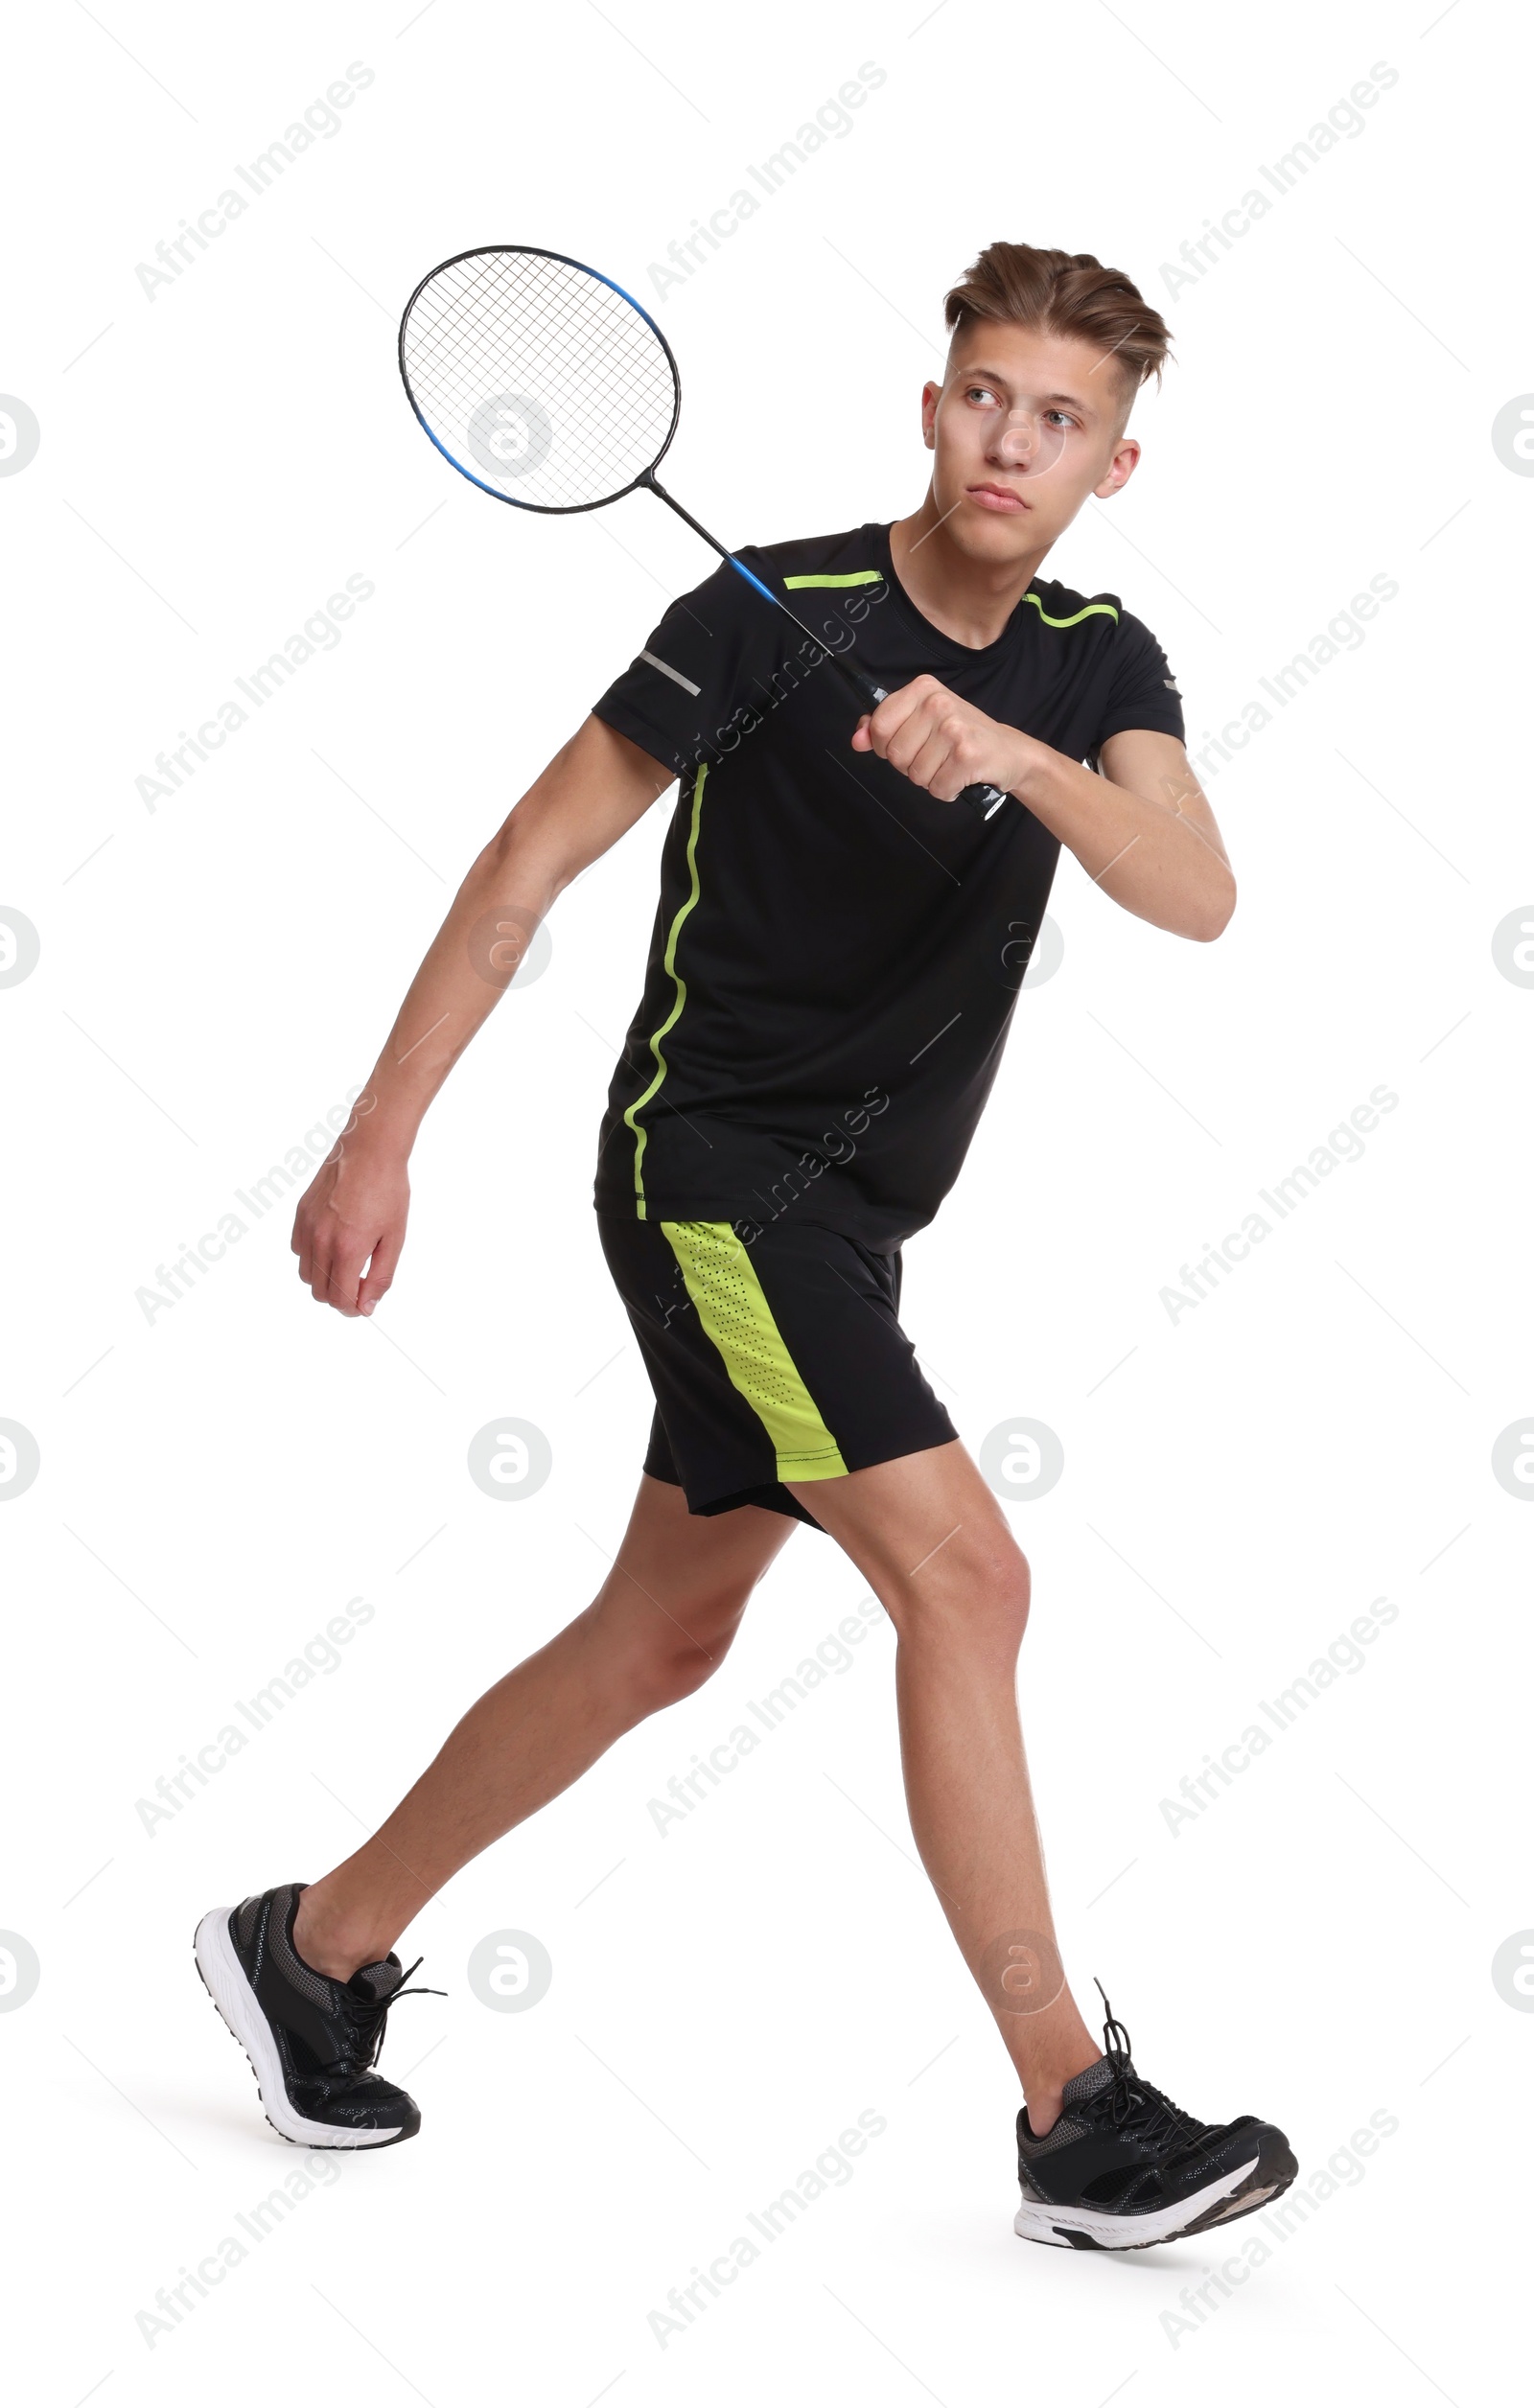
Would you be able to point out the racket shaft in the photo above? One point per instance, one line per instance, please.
(983, 798)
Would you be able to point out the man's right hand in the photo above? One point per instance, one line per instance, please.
(352, 1220)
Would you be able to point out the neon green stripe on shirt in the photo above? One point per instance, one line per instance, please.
(680, 984)
(854, 577)
(1105, 609)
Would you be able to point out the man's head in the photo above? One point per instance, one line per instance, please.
(1048, 350)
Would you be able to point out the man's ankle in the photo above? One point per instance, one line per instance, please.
(1045, 2097)
(329, 1943)
(1043, 2108)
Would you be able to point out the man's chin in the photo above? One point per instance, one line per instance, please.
(996, 537)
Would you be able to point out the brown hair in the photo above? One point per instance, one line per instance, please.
(1064, 292)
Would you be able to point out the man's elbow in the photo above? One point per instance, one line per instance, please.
(1212, 915)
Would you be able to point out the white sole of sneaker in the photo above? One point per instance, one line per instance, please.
(1088, 2228)
(223, 1977)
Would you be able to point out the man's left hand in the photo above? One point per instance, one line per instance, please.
(942, 742)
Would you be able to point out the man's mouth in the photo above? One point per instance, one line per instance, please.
(997, 498)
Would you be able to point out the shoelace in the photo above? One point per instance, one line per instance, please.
(1136, 2108)
(368, 2019)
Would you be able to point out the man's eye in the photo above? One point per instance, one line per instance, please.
(980, 393)
(1060, 416)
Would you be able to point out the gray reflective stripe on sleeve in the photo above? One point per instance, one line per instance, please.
(666, 670)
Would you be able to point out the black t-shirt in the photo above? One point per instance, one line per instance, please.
(837, 954)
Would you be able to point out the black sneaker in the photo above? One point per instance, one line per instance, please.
(311, 2041)
(1122, 2168)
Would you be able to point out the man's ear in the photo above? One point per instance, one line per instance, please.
(1121, 468)
(931, 395)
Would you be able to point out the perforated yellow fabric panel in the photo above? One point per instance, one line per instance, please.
(721, 1280)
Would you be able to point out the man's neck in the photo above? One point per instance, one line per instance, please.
(970, 601)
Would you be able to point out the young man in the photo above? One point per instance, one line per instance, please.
(835, 962)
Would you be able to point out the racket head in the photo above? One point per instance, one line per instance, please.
(543, 382)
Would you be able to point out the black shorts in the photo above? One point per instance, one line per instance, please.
(780, 1360)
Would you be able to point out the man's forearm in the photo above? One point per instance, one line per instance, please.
(1146, 855)
(467, 967)
(1151, 844)
(594, 789)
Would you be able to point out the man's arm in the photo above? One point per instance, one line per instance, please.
(1142, 829)
(353, 1213)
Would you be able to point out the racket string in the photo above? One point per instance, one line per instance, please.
(520, 329)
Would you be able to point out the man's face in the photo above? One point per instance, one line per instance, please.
(1023, 428)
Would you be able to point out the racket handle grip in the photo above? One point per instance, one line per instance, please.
(984, 799)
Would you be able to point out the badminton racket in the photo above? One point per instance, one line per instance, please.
(547, 385)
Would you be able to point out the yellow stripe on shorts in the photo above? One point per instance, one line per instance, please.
(721, 1280)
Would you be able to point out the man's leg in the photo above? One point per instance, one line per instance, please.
(660, 1623)
(931, 1541)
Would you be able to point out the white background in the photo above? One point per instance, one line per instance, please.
(1239, 1483)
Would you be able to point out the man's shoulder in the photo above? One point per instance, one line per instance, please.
(1061, 605)
(854, 557)
(1098, 620)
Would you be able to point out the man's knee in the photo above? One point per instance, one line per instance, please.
(687, 1641)
(974, 1594)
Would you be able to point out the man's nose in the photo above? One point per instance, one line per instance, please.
(1026, 445)
(1017, 441)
